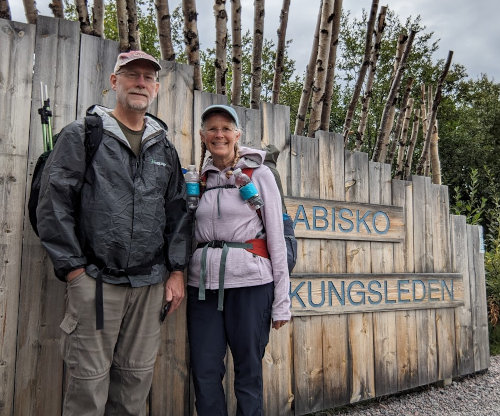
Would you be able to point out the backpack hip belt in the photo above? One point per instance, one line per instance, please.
(257, 246)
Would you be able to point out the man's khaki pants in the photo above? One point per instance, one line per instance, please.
(110, 371)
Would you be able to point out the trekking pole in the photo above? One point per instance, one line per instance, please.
(45, 115)
(46, 104)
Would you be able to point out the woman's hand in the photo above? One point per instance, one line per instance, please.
(278, 324)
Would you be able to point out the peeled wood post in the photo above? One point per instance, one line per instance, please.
(399, 122)
(236, 52)
(402, 138)
(83, 17)
(318, 87)
(121, 15)
(280, 52)
(308, 81)
(362, 71)
(192, 41)
(390, 105)
(220, 46)
(164, 26)
(332, 60)
(365, 101)
(411, 147)
(57, 8)
(133, 26)
(258, 39)
(5, 10)
(98, 18)
(30, 11)
(435, 105)
(434, 151)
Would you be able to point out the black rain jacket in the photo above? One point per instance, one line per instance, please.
(121, 212)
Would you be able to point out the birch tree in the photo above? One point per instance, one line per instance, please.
(434, 154)
(122, 17)
(258, 39)
(5, 10)
(387, 121)
(365, 101)
(362, 71)
(280, 52)
(57, 8)
(30, 11)
(220, 46)
(236, 52)
(432, 120)
(164, 26)
(191, 40)
(308, 81)
(332, 60)
(318, 89)
(98, 18)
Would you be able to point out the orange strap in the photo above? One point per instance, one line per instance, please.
(259, 247)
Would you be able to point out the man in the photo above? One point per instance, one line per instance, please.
(113, 229)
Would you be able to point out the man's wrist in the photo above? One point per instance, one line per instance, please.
(73, 273)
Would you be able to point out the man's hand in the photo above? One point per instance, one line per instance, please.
(73, 273)
(174, 289)
(278, 324)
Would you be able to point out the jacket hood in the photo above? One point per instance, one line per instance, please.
(153, 124)
(249, 158)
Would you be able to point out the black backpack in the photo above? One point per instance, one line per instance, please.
(93, 137)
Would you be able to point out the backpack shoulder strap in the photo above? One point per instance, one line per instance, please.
(93, 136)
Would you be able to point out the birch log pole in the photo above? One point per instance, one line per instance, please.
(57, 8)
(435, 105)
(332, 61)
(98, 18)
(5, 10)
(258, 39)
(83, 16)
(308, 81)
(411, 147)
(387, 121)
(134, 39)
(220, 46)
(280, 52)
(365, 101)
(122, 17)
(164, 25)
(400, 120)
(318, 88)
(236, 52)
(362, 71)
(402, 138)
(434, 153)
(192, 41)
(30, 11)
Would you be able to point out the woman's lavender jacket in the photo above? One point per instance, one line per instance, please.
(223, 215)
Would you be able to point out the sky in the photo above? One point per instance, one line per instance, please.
(471, 29)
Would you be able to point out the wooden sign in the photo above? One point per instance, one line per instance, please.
(315, 218)
(320, 294)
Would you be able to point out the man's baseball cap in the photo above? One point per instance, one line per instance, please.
(127, 57)
(219, 108)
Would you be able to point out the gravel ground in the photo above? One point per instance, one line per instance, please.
(471, 395)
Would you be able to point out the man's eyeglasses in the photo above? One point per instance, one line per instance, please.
(148, 78)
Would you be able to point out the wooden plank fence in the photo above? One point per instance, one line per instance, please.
(378, 339)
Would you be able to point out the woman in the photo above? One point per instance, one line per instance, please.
(235, 290)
